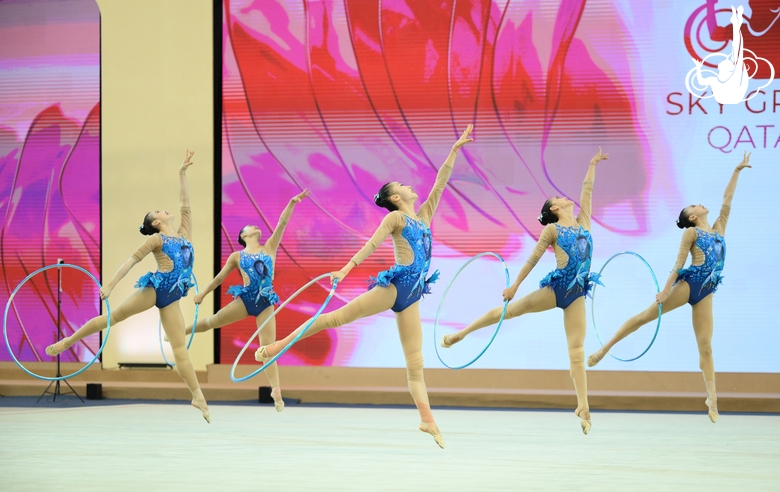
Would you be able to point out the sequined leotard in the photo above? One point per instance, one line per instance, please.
(573, 248)
(175, 259)
(412, 245)
(258, 294)
(708, 255)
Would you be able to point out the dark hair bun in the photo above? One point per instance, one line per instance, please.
(382, 199)
(547, 216)
(147, 229)
(683, 222)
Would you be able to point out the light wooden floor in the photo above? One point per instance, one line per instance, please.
(150, 447)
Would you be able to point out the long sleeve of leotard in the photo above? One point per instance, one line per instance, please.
(687, 242)
(432, 202)
(230, 265)
(546, 239)
(151, 244)
(586, 205)
(276, 238)
(391, 223)
(185, 226)
(728, 196)
(722, 220)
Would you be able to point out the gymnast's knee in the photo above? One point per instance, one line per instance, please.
(577, 356)
(329, 320)
(180, 353)
(495, 313)
(705, 350)
(414, 367)
(208, 324)
(117, 315)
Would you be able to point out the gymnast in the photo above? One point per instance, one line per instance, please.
(256, 297)
(565, 287)
(693, 285)
(172, 249)
(399, 288)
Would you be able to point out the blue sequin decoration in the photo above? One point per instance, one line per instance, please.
(413, 276)
(575, 278)
(180, 251)
(708, 274)
(260, 269)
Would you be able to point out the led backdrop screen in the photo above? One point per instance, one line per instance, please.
(342, 96)
(49, 169)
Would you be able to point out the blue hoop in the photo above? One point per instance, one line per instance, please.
(593, 305)
(500, 321)
(192, 335)
(285, 349)
(8, 306)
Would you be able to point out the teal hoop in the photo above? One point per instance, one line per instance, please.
(8, 306)
(500, 321)
(192, 335)
(593, 305)
(273, 315)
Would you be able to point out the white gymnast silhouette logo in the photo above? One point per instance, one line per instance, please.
(730, 84)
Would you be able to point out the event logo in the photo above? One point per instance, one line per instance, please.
(730, 84)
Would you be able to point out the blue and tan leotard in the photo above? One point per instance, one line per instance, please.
(575, 279)
(573, 247)
(412, 244)
(411, 281)
(257, 293)
(708, 255)
(175, 259)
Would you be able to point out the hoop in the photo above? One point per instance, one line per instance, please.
(500, 321)
(8, 306)
(593, 305)
(192, 335)
(285, 349)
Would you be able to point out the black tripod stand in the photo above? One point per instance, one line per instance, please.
(57, 389)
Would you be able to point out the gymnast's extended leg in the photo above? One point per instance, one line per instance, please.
(173, 324)
(139, 301)
(535, 302)
(375, 301)
(677, 298)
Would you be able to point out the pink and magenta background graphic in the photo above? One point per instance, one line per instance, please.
(343, 96)
(49, 169)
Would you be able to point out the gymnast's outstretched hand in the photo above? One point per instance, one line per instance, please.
(509, 293)
(464, 138)
(105, 292)
(745, 162)
(187, 160)
(297, 198)
(661, 297)
(337, 276)
(599, 157)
